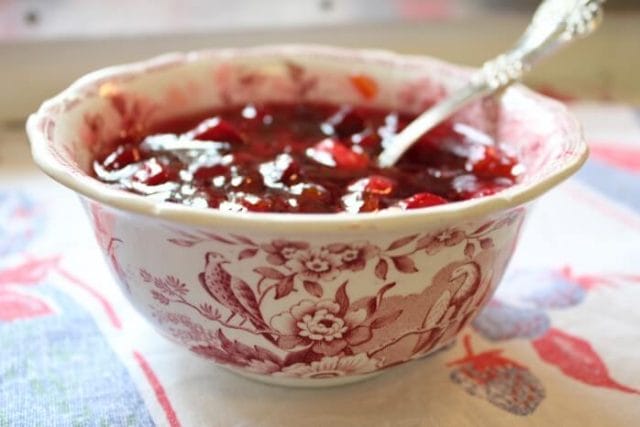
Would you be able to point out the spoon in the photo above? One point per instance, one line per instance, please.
(554, 24)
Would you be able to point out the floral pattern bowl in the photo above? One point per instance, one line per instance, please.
(301, 299)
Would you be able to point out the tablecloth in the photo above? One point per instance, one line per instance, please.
(564, 324)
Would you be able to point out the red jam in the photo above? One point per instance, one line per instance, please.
(307, 158)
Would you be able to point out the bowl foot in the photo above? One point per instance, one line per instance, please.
(304, 382)
(445, 346)
(325, 382)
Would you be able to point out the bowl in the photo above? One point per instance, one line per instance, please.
(301, 299)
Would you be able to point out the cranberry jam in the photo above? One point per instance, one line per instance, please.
(304, 158)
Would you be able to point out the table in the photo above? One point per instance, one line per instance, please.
(561, 337)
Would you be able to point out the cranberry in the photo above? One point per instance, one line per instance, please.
(493, 163)
(442, 131)
(314, 199)
(257, 204)
(291, 174)
(123, 156)
(373, 185)
(436, 139)
(283, 170)
(281, 204)
(423, 200)
(333, 153)
(370, 203)
(153, 173)
(471, 187)
(367, 140)
(214, 197)
(378, 184)
(206, 173)
(216, 129)
(346, 122)
(243, 158)
(249, 181)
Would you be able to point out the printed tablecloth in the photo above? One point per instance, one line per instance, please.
(558, 345)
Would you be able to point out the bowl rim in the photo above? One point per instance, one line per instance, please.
(88, 187)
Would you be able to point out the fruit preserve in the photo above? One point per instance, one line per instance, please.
(303, 158)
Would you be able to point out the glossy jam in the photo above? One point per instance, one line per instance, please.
(304, 158)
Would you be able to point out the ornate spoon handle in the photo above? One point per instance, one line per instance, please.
(554, 24)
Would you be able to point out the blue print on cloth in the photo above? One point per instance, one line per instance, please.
(58, 370)
(541, 289)
(500, 321)
(619, 185)
(19, 222)
(518, 310)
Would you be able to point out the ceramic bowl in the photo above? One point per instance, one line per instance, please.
(301, 299)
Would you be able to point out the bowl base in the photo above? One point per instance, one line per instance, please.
(325, 382)
(304, 382)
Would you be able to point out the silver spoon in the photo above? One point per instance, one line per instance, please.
(554, 24)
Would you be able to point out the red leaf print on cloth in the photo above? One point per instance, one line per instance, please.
(30, 272)
(622, 157)
(577, 359)
(587, 282)
(17, 306)
(501, 381)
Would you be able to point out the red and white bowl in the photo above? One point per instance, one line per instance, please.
(301, 299)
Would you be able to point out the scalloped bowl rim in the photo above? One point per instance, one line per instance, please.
(119, 199)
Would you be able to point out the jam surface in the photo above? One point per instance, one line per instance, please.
(303, 158)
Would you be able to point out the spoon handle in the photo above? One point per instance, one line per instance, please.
(554, 24)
